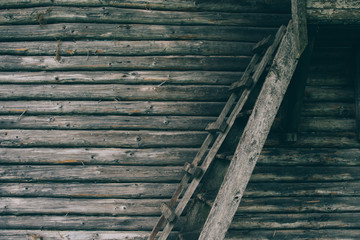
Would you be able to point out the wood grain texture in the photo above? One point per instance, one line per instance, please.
(111, 63)
(108, 138)
(127, 48)
(57, 14)
(89, 31)
(112, 107)
(114, 92)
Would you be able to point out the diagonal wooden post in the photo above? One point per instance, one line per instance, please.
(253, 139)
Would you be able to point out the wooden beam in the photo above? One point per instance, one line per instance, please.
(252, 140)
(357, 93)
(298, 11)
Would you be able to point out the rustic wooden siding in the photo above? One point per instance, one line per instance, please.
(102, 103)
(310, 189)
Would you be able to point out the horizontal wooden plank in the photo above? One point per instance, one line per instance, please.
(112, 107)
(127, 48)
(230, 6)
(114, 92)
(287, 156)
(100, 138)
(44, 15)
(296, 221)
(91, 173)
(125, 77)
(101, 156)
(323, 109)
(109, 122)
(165, 190)
(329, 94)
(330, 234)
(34, 173)
(111, 63)
(70, 31)
(324, 79)
(77, 235)
(68, 206)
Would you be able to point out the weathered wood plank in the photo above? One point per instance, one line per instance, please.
(91, 173)
(165, 190)
(252, 139)
(76, 235)
(127, 48)
(331, 234)
(99, 138)
(329, 94)
(334, 80)
(323, 109)
(298, 16)
(279, 6)
(33, 173)
(357, 93)
(132, 77)
(114, 92)
(108, 122)
(113, 107)
(71, 31)
(291, 221)
(111, 63)
(115, 15)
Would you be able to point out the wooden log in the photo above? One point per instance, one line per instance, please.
(127, 48)
(99, 138)
(87, 207)
(229, 6)
(291, 221)
(252, 140)
(76, 235)
(113, 92)
(93, 63)
(89, 190)
(132, 77)
(91, 173)
(328, 94)
(107, 122)
(45, 15)
(292, 234)
(113, 107)
(298, 13)
(331, 80)
(71, 31)
(323, 109)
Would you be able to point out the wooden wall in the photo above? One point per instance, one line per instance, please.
(102, 102)
(310, 189)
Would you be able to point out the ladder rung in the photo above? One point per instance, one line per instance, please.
(243, 83)
(196, 172)
(262, 45)
(216, 127)
(168, 213)
(224, 156)
(244, 114)
(204, 199)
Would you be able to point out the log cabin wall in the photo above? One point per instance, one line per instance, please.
(102, 103)
(310, 189)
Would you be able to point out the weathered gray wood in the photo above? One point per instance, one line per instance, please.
(326, 79)
(90, 190)
(92, 63)
(105, 138)
(127, 48)
(106, 122)
(89, 31)
(115, 15)
(323, 109)
(230, 6)
(333, 12)
(298, 12)
(89, 207)
(292, 234)
(252, 140)
(132, 77)
(357, 94)
(75, 235)
(113, 107)
(288, 221)
(91, 173)
(329, 94)
(113, 92)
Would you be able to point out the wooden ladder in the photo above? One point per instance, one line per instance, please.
(218, 130)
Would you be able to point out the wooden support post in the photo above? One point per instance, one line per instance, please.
(298, 12)
(357, 93)
(252, 140)
(295, 96)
